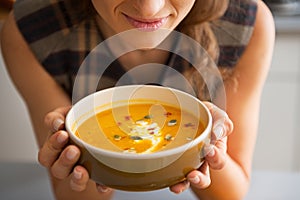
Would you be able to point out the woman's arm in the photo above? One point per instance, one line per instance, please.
(232, 181)
(42, 95)
(39, 91)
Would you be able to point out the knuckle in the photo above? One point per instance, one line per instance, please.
(43, 159)
(76, 186)
(218, 163)
(218, 166)
(222, 163)
(59, 174)
(52, 147)
(60, 169)
(48, 119)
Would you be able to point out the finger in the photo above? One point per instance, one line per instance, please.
(63, 166)
(216, 156)
(200, 178)
(102, 188)
(79, 179)
(52, 148)
(55, 120)
(222, 126)
(180, 187)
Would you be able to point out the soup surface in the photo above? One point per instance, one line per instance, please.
(140, 128)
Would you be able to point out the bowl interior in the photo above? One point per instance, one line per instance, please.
(123, 95)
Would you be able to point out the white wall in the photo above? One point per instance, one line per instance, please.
(278, 142)
(17, 141)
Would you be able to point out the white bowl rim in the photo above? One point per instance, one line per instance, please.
(141, 156)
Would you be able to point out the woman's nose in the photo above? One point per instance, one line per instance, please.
(149, 8)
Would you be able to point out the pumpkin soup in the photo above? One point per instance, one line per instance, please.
(143, 127)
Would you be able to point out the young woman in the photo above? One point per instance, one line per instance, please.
(45, 42)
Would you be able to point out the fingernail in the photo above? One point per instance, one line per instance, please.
(57, 124)
(218, 131)
(77, 174)
(209, 150)
(195, 180)
(179, 191)
(71, 154)
(102, 189)
(211, 153)
(62, 137)
(186, 185)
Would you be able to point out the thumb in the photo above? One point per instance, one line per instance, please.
(222, 125)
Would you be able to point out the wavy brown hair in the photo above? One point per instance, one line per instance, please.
(197, 25)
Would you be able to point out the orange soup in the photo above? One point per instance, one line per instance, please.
(140, 128)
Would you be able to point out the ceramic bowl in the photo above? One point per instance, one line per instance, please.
(131, 171)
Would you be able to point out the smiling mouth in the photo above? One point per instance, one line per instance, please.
(147, 24)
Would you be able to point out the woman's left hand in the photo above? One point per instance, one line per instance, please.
(215, 153)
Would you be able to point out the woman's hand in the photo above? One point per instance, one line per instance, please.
(215, 153)
(59, 157)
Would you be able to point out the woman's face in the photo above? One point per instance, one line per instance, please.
(146, 15)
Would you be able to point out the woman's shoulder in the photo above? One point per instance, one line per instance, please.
(263, 37)
(257, 58)
(265, 20)
(51, 26)
(242, 12)
(59, 33)
(36, 17)
(60, 13)
(234, 30)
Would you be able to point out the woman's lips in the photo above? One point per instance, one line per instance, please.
(147, 24)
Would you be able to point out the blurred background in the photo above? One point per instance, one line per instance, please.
(276, 160)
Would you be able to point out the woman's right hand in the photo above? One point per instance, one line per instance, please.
(60, 157)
